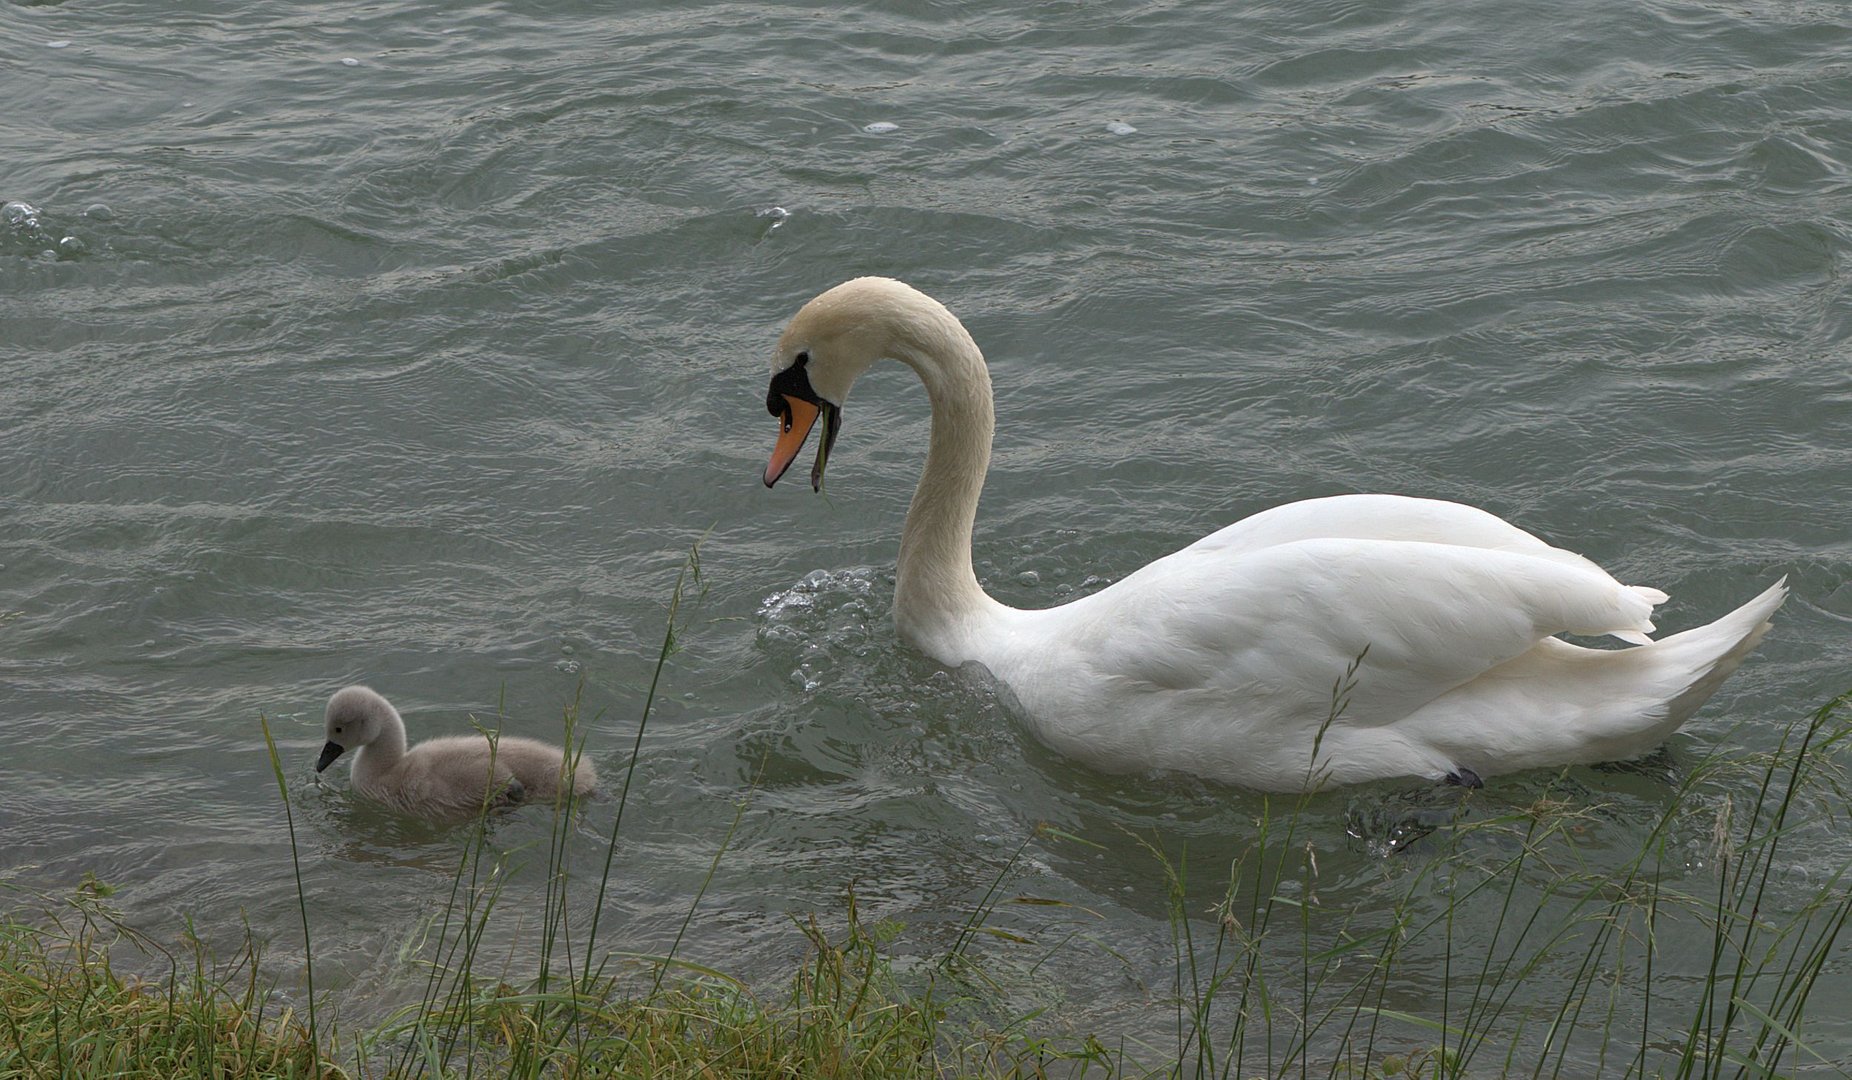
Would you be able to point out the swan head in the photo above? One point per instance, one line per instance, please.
(826, 347)
(356, 717)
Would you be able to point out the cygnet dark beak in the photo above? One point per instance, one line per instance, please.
(329, 753)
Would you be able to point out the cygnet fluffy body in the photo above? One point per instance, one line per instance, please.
(446, 779)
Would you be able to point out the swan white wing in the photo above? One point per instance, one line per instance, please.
(1385, 517)
(1272, 631)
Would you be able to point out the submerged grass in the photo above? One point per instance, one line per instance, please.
(1551, 960)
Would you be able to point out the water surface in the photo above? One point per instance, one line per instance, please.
(417, 346)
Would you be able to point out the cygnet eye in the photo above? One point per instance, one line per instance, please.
(337, 731)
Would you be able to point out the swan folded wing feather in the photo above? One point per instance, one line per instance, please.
(451, 775)
(1385, 517)
(542, 766)
(1283, 623)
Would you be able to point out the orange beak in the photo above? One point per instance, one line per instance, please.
(794, 427)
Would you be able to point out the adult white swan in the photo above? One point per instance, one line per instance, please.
(1220, 659)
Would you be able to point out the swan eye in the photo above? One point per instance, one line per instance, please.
(791, 383)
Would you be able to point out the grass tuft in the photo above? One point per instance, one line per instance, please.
(66, 1012)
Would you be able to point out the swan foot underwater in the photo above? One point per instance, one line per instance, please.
(447, 779)
(1218, 660)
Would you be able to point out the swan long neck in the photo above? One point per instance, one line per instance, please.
(937, 598)
(380, 756)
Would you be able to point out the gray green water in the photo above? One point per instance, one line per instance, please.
(417, 344)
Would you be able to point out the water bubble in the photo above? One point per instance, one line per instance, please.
(348, 61)
(880, 127)
(20, 215)
(96, 211)
(778, 214)
(567, 649)
(1029, 578)
(789, 602)
(57, 44)
(71, 245)
(1120, 127)
(570, 667)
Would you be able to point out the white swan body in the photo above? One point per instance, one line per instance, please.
(1228, 659)
(447, 779)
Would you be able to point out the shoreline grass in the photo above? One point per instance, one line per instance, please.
(66, 1011)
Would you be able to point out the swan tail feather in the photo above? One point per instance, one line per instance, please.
(1608, 704)
(1651, 595)
(1692, 664)
(1639, 602)
(1719, 647)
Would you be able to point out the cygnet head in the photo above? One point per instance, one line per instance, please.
(831, 341)
(356, 717)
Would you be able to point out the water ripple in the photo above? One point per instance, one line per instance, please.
(425, 369)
